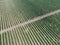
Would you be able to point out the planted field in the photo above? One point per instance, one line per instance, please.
(17, 11)
(45, 31)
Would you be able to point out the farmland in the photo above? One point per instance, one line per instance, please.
(20, 10)
(43, 32)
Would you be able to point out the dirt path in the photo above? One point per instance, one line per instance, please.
(30, 21)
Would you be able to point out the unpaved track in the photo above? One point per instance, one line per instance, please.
(30, 21)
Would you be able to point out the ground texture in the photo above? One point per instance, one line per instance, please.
(43, 32)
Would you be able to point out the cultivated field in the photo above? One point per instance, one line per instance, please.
(45, 31)
(42, 32)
